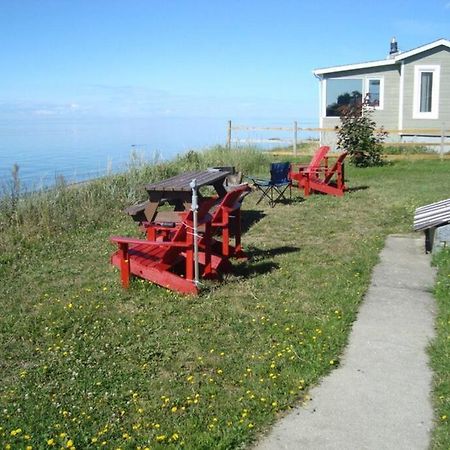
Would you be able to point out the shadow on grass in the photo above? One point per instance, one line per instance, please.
(257, 253)
(249, 218)
(357, 188)
(254, 268)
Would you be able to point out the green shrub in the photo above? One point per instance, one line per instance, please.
(359, 136)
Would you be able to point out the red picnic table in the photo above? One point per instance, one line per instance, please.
(178, 192)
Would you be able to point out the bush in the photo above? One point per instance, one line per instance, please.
(359, 136)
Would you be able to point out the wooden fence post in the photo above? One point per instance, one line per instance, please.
(229, 135)
(295, 138)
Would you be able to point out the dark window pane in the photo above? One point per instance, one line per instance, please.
(426, 90)
(341, 93)
(374, 93)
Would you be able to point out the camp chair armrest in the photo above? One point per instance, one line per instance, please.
(256, 179)
(125, 240)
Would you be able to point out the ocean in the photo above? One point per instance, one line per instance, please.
(48, 148)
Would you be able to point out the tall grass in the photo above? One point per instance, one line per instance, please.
(29, 216)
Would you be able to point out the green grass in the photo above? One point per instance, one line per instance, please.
(84, 361)
(440, 353)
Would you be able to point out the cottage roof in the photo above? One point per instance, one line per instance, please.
(384, 62)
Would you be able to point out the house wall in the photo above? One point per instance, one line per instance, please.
(438, 56)
(386, 117)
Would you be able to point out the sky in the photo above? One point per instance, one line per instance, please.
(240, 60)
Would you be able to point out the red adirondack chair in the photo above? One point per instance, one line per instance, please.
(225, 218)
(318, 176)
(167, 263)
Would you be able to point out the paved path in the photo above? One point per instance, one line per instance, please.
(379, 397)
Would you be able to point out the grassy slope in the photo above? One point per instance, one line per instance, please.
(83, 360)
(440, 353)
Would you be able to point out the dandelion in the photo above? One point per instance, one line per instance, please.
(175, 436)
(69, 443)
(50, 441)
(174, 409)
(161, 437)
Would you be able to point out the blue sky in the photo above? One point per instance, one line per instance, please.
(243, 60)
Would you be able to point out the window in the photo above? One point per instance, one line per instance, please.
(374, 93)
(342, 92)
(426, 92)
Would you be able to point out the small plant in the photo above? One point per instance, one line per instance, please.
(359, 136)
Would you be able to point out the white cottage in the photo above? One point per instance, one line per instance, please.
(410, 91)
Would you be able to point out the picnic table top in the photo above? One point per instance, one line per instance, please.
(181, 183)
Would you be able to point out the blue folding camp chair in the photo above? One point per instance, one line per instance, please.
(275, 188)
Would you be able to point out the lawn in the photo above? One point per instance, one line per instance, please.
(86, 364)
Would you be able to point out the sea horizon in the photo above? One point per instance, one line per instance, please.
(78, 149)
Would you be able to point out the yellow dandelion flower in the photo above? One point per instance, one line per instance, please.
(69, 443)
(175, 436)
(161, 437)
(50, 441)
(174, 409)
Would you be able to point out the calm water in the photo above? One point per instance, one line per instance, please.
(47, 148)
(82, 149)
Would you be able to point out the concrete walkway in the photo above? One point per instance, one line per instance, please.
(379, 397)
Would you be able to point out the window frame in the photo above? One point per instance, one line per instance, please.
(435, 69)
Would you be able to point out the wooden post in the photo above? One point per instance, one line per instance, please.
(295, 138)
(229, 135)
(442, 140)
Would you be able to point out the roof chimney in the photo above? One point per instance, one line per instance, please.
(394, 48)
